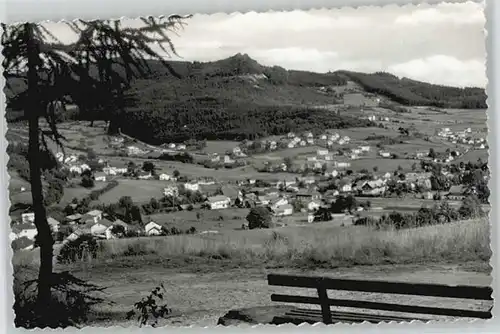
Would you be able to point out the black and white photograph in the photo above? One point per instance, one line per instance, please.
(283, 167)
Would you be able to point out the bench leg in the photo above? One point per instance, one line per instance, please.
(325, 305)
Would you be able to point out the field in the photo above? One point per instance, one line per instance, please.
(139, 190)
(220, 146)
(360, 134)
(473, 156)
(79, 192)
(383, 165)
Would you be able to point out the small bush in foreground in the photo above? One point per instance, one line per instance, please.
(147, 309)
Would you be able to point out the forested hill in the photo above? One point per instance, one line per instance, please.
(237, 98)
(412, 92)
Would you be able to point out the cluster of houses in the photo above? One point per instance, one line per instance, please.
(173, 146)
(93, 222)
(292, 140)
(375, 118)
(463, 137)
(280, 197)
(71, 163)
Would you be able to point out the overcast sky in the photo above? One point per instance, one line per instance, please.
(443, 44)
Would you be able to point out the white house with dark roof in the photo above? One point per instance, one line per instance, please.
(54, 224)
(28, 217)
(284, 210)
(218, 202)
(152, 228)
(192, 185)
(27, 230)
(100, 228)
(100, 177)
(164, 177)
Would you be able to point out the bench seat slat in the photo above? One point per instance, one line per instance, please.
(347, 315)
(384, 306)
(431, 290)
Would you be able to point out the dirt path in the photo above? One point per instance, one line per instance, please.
(200, 299)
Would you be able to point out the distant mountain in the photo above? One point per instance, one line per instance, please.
(237, 98)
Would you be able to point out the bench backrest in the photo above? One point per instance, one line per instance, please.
(322, 284)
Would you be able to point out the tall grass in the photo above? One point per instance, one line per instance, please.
(460, 241)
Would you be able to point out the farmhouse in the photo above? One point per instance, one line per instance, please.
(164, 177)
(152, 228)
(206, 181)
(78, 233)
(54, 224)
(307, 196)
(264, 200)
(75, 169)
(345, 186)
(218, 202)
(99, 229)
(274, 204)
(342, 164)
(228, 160)
(308, 179)
(313, 205)
(93, 216)
(322, 152)
(384, 154)
(144, 176)
(284, 210)
(100, 177)
(109, 170)
(331, 172)
(71, 219)
(456, 193)
(26, 230)
(192, 186)
(28, 217)
(373, 188)
(365, 148)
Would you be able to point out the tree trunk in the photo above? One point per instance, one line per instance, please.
(44, 235)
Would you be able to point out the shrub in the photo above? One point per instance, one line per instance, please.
(74, 250)
(148, 310)
(259, 217)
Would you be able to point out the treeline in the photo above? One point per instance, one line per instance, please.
(215, 119)
(438, 214)
(412, 92)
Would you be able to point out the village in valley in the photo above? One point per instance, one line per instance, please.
(125, 188)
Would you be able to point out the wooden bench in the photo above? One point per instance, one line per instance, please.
(396, 311)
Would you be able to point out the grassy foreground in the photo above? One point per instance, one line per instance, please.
(317, 245)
